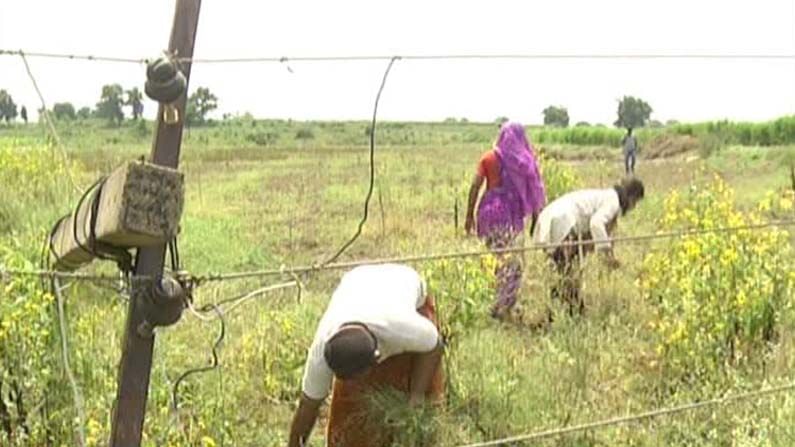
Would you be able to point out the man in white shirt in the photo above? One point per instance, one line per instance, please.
(588, 215)
(377, 330)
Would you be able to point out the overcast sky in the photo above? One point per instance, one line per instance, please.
(685, 90)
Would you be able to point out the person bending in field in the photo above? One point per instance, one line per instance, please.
(379, 331)
(514, 191)
(588, 216)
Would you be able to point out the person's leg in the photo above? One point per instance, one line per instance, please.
(509, 279)
(633, 160)
(569, 289)
(574, 285)
(626, 163)
(508, 275)
(561, 257)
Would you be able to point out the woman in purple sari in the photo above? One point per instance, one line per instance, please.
(514, 191)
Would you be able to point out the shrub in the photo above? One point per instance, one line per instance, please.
(304, 134)
(262, 138)
(26, 368)
(718, 296)
(463, 290)
(558, 177)
(64, 111)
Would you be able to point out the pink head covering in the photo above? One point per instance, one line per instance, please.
(520, 170)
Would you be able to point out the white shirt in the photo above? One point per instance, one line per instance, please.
(383, 297)
(580, 212)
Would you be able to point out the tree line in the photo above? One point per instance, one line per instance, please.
(632, 113)
(113, 101)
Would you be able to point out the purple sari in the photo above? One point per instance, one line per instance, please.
(521, 192)
(502, 210)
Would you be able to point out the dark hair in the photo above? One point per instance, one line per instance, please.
(351, 350)
(629, 188)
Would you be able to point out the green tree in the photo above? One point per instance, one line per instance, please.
(110, 105)
(200, 103)
(135, 101)
(8, 110)
(64, 111)
(632, 112)
(556, 116)
(84, 113)
(583, 124)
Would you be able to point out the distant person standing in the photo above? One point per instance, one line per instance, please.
(23, 113)
(630, 144)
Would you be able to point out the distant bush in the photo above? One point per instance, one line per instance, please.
(556, 116)
(579, 135)
(778, 132)
(64, 111)
(84, 113)
(142, 128)
(711, 144)
(262, 138)
(304, 134)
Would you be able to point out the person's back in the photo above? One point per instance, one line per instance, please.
(379, 331)
(575, 211)
(383, 297)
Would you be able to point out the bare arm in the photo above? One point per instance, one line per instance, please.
(422, 371)
(303, 421)
(474, 190)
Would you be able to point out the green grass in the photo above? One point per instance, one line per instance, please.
(252, 206)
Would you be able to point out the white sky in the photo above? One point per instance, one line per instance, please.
(686, 90)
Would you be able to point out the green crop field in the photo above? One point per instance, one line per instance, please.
(683, 320)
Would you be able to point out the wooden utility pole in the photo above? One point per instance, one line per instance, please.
(136, 359)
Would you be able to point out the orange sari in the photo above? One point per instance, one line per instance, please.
(348, 425)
